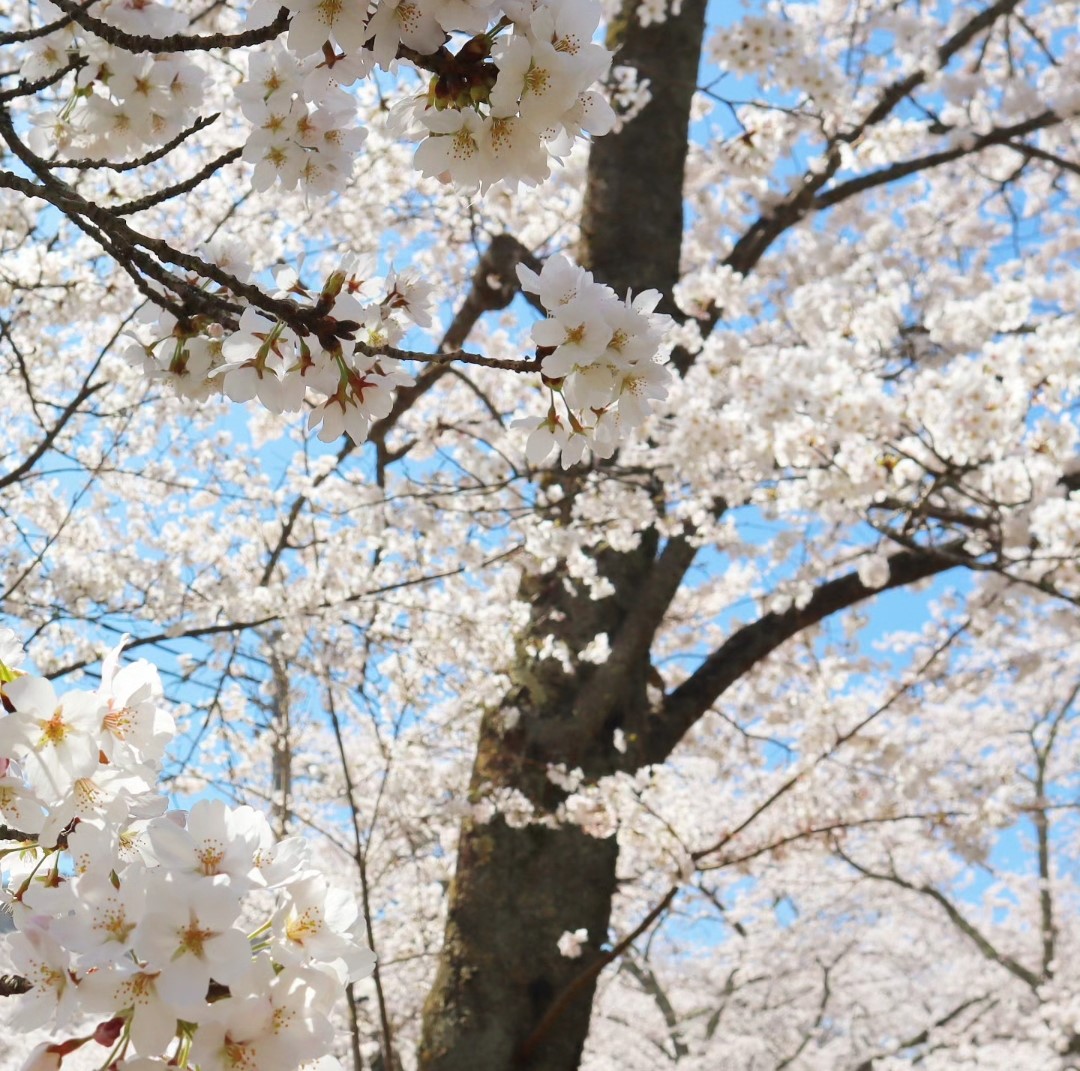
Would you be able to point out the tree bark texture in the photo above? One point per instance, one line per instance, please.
(517, 889)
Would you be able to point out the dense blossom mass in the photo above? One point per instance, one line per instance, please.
(617, 502)
(517, 94)
(165, 936)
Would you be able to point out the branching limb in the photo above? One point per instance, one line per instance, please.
(87, 163)
(967, 928)
(494, 285)
(751, 643)
(923, 1036)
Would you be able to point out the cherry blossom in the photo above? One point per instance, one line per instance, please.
(143, 921)
(57, 740)
(733, 647)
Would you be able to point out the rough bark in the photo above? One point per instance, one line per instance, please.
(632, 224)
(517, 890)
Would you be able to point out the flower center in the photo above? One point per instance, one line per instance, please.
(54, 730)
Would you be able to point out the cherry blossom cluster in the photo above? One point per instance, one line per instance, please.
(343, 378)
(599, 354)
(499, 107)
(170, 938)
(517, 93)
(530, 103)
(304, 128)
(496, 110)
(121, 101)
(781, 47)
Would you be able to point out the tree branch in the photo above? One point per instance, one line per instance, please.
(494, 285)
(87, 163)
(897, 171)
(968, 929)
(632, 643)
(923, 1035)
(586, 977)
(174, 42)
(753, 642)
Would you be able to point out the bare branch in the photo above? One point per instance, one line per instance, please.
(175, 42)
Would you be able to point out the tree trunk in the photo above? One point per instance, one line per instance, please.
(518, 888)
(516, 892)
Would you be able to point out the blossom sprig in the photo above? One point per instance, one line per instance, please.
(121, 101)
(336, 354)
(329, 356)
(133, 923)
(304, 127)
(520, 91)
(601, 355)
(521, 100)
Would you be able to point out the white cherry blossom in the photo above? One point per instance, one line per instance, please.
(58, 740)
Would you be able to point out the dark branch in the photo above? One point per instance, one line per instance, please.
(167, 194)
(91, 164)
(174, 42)
(897, 171)
(753, 642)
